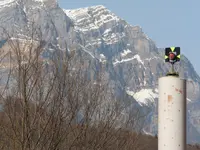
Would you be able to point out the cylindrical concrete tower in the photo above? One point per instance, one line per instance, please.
(172, 113)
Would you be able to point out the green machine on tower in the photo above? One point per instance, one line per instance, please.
(172, 55)
(172, 102)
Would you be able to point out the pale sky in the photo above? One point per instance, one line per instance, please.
(168, 23)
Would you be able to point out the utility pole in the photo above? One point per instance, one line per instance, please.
(172, 107)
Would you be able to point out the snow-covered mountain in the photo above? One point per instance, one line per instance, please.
(131, 58)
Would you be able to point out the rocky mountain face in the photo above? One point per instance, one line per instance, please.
(130, 57)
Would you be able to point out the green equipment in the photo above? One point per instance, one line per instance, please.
(172, 55)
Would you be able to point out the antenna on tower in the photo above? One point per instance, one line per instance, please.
(172, 55)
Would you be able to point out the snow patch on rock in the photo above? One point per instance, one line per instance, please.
(129, 59)
(6, 3)
(125, 52)
(144, 96)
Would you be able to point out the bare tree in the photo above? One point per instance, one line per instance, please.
(54, 104)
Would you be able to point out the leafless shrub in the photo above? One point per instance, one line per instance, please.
(53, 104)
